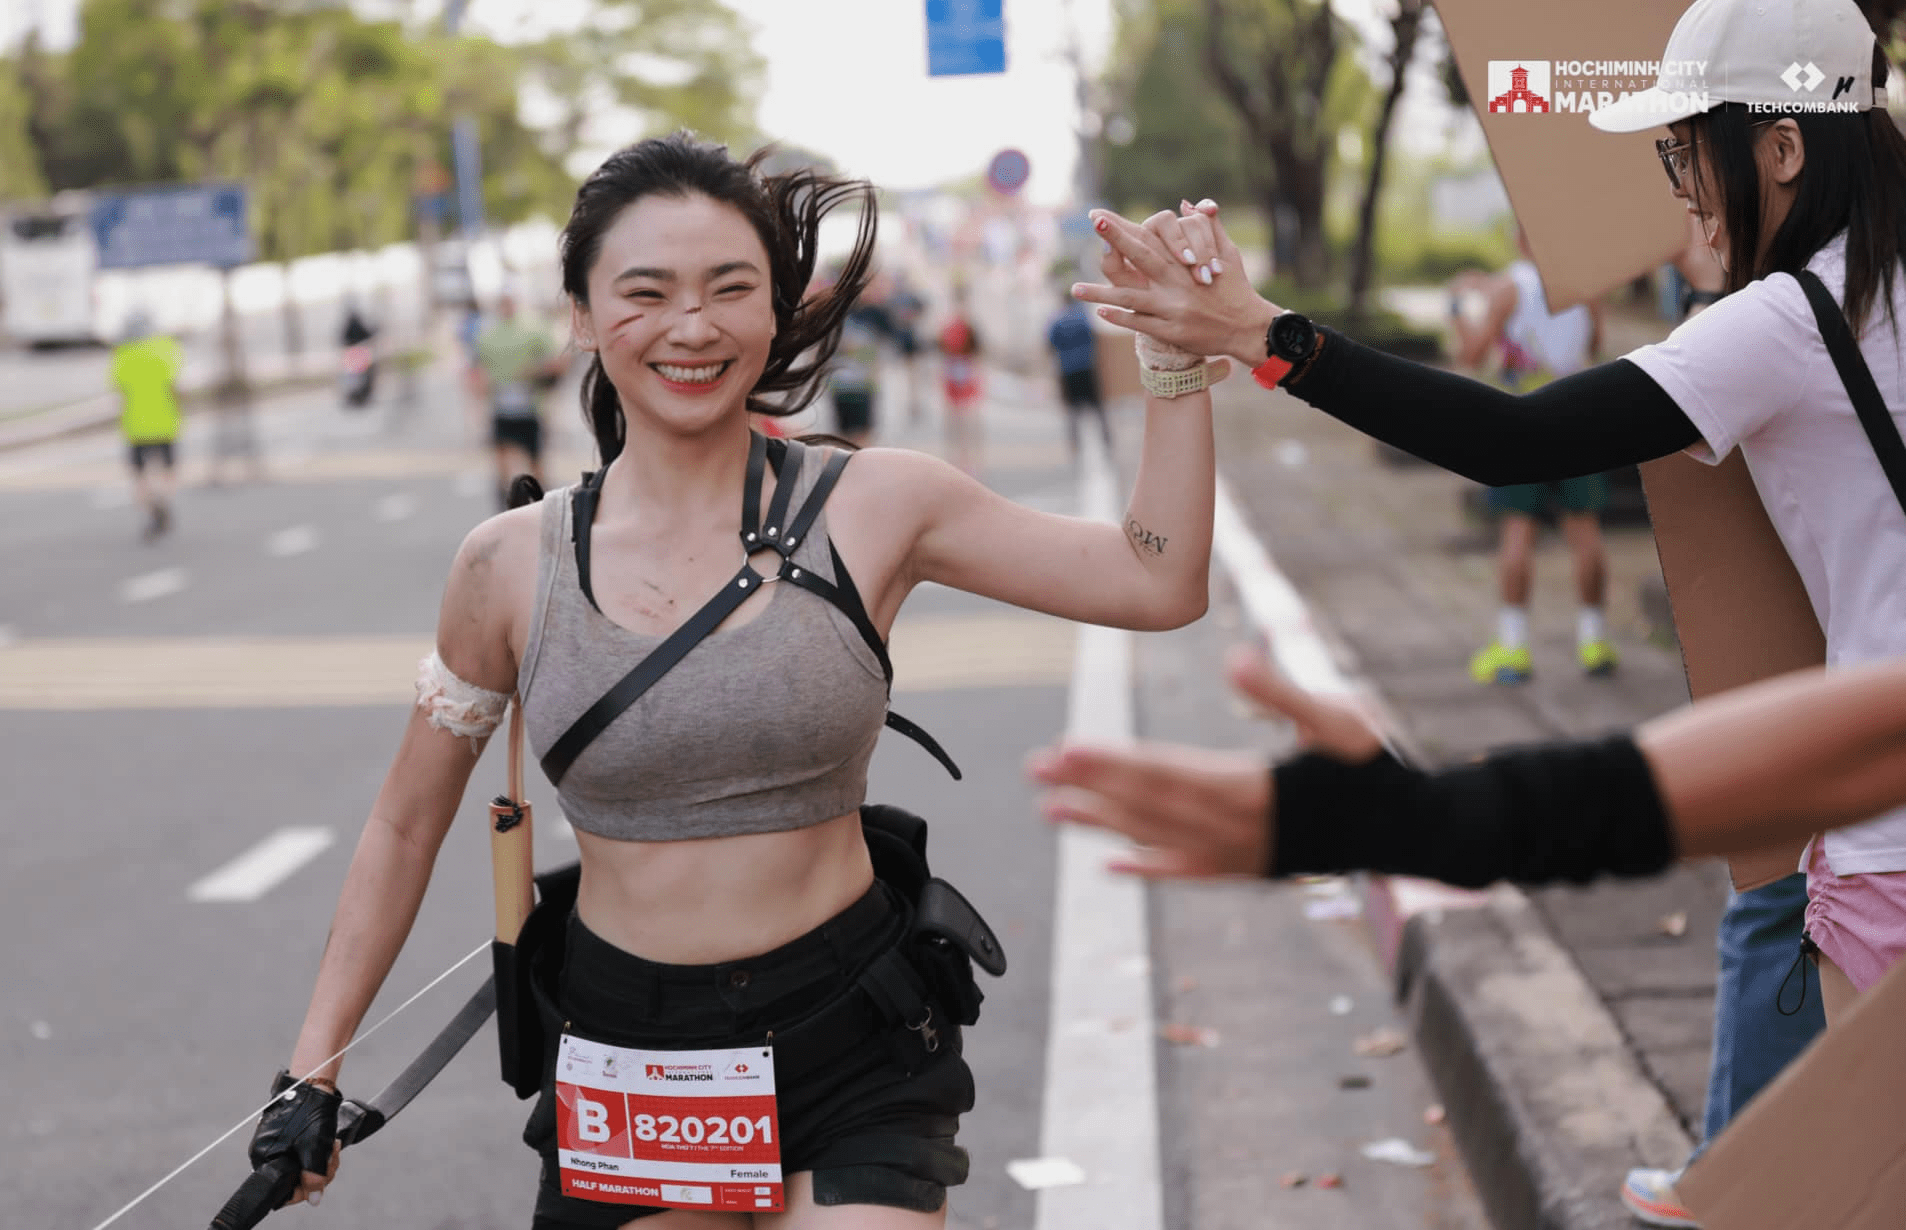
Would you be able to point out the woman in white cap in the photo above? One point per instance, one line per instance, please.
(1802, 192)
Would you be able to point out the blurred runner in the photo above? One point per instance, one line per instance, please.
(517, 362)
(1070, 337)
(960, 380)
(907, 311)
(854, 381)
(360, 358)
(1537, 347)
(145, 370)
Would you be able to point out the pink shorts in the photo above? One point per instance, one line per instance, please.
(1859, 921)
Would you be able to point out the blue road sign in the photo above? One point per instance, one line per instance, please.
(183, 224)
(1008, 171)
(965, 36)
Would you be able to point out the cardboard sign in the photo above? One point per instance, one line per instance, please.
(1740, 609)
(1595, 206)
(1822, 1147)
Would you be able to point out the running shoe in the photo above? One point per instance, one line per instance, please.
(1649, 1195)
(1496, 663)
(1598, 657)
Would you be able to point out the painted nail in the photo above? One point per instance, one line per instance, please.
(1207, 203)
(315, 1197)
(1103, 225)
(1204, 274)
(1217, 266)
(1191, 258)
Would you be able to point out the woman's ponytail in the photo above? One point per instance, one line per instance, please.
(602, 410)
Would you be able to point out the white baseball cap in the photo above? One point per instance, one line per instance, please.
(1785, 55)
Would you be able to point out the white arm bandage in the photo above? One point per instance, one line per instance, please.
(456, 705)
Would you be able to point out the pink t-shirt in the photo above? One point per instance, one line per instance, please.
(1752, 372)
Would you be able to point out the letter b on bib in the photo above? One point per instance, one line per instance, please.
(592, 1120)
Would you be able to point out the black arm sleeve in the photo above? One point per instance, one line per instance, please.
(1559, 811)
(1600, 419)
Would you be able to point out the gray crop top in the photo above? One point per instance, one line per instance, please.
(762, 727)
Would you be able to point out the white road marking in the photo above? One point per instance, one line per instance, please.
(7, 635)
(293, 540)
(1100, 1110)
(150, 585)
(263, 867)
(111, 497)
(396, 507)
(1273, 603)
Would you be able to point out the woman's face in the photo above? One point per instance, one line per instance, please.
(680, 310)
(1698, 191)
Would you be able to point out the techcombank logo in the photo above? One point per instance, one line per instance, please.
(1519, 86)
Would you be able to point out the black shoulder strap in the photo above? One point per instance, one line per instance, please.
(1858, 379)
(582, 515)
(780, 535)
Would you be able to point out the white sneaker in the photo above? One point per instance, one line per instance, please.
(1649, 1195)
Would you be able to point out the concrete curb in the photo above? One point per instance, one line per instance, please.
(1546, 1100)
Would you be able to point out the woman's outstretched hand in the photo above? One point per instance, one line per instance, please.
(1196, 812)
(1182, 282)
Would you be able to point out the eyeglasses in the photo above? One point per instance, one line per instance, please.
(1675, 155)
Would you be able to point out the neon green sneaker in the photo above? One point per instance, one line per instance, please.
(1598, 657)
(1496, 663)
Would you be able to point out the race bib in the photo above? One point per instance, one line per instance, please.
(669, 1129)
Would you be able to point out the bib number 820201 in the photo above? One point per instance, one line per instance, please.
(711, 1129)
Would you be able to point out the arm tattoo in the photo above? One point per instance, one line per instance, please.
(1144, 539)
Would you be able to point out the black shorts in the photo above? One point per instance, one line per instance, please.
(870, 1130)
(853, 412)
(1079, 389)
(153, 450)
(523, 433)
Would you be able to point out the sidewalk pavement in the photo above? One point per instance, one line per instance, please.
(1568, 1028)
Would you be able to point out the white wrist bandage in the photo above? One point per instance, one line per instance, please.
(1163, 356)
(457, 705)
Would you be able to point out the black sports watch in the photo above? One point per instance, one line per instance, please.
(1291, 340)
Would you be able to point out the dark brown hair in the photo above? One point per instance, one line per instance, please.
(1854, 179)
(785, 210)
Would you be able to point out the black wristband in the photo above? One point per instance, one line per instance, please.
(1562, 811)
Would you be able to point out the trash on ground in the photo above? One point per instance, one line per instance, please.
(1189, 1035)
(1293, 1178)
(1331, 909)
(1330, 1180)
(1035, 1173)
(1399, 1151)
(1341, 1005)
(1184, 984)
(1674, 925)
(1435, 1114)
(1380, 1043)
(1353, 1080)
(42, 1030)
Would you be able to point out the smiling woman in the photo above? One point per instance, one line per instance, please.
(737, 895)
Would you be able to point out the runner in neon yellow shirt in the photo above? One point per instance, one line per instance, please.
(145, 370)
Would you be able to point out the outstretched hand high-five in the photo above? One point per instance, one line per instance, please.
(1196, 812)
(1183, 295)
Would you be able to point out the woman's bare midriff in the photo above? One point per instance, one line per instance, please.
(720, 898)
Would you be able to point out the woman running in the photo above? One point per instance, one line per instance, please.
(727, 894)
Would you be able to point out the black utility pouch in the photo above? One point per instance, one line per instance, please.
(527, 1018)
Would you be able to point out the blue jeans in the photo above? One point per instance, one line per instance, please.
(1753, 1041)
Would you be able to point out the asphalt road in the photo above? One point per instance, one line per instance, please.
(166, 709)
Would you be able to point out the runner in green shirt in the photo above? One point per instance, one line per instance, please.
(516, 361)
(145, 370)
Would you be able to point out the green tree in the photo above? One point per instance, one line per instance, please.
(20, 177)
(1406, 24)
(1170, 134)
